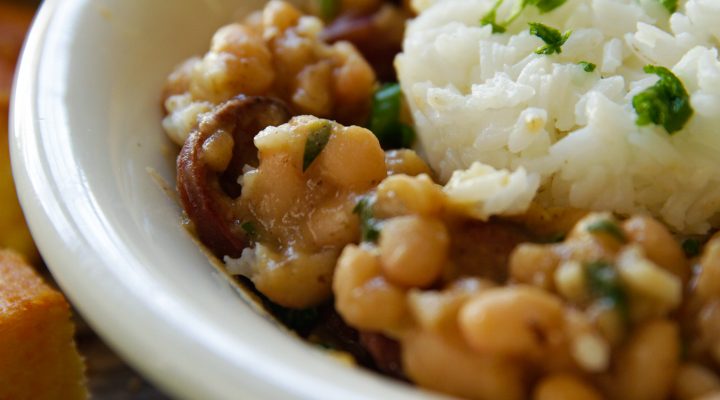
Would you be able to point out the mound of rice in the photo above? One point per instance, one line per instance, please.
(565, 136)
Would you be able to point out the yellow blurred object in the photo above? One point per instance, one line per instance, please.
(14, 22)
(14, 233)
(38, 358)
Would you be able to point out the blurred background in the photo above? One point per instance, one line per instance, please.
(108, 376)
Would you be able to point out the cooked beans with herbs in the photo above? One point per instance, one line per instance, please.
(346, 228)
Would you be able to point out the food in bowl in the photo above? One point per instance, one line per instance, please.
(588, 118)
(478, 272)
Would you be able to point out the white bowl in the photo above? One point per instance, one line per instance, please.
(85, 128)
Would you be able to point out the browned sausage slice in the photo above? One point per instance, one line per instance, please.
(209, 197)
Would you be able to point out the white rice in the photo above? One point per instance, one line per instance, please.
(477, 96)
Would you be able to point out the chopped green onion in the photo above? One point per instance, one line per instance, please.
(603, 282)
(249, 229)
(552, 37)
(490, 17)
(329, 9)
(670, 5)
(666, 103)
(608, 227)
(316, 142)
(369, 225)
(385, 118)
(407, 136)
(587, 66)
(545, 6)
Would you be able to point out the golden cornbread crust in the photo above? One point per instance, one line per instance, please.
(38, 358)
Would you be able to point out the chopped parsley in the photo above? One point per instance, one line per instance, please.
(604, 283)
(249, 229)
(316, 142)
(666, 103)
(587, 66)
(329, 9)
(369, 225)
(670, 5)
(552, 37)
(544, 6)
(385, 118)
(490, 18)
(608, 227)
(691, 247)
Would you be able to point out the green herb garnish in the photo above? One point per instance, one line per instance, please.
(385, 118)
(587, 66)
(666, 103)
(315, 142)
(552, 37)
(407, 136)
(603, 282)
(691, 247)
(608, 227)
(490, 19)
(544, 6)
(670, 5)
(369, 225)
(329, 9)
(249, 229)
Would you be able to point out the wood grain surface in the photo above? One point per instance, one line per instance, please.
(109, 378)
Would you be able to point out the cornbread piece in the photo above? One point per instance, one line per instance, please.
(14, 21)
(38, 358)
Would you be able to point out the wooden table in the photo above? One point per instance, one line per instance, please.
(109, 378)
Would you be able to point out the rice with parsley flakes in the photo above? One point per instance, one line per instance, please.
(593, 104)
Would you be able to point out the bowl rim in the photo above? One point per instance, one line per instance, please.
(70, 254)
